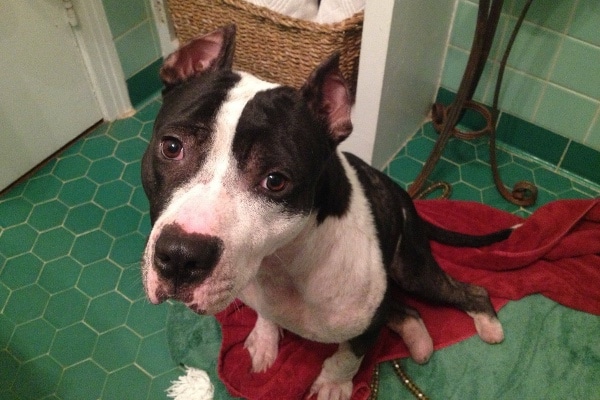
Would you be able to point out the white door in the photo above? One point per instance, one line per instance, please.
(46, 98)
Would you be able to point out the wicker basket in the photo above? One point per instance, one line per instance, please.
(272, 46)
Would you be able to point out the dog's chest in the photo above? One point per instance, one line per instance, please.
(322, 288)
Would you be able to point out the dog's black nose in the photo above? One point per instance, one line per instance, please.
(185, 258)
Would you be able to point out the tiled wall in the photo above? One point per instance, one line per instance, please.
(553, 74)
(137, 43)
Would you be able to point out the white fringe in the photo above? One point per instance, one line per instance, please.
(194, 385)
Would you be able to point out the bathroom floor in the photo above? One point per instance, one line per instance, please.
(74, 321)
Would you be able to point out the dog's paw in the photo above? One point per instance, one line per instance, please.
(335, 380)
(263, 344)
(415, 336)
(325, 390)
(488, 328)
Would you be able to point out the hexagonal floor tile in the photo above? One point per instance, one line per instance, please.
(53, 244)
(98, 147)
(91, 247)
(84, 218)
(14, 211)
(78, 191)
(39, 329)
(71, 167)
(71, 387)
(116, 349)
(17, 240)
(21, 271)
(47, 215)
(73, 344)
(37, 378)
(97, 316)
(99, 278)
(123, 129)
(106, 170)
(66, 308)
(113, 194)
(128, 383)
(26, 304)
(59, 274)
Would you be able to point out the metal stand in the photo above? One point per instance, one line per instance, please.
(445, 118)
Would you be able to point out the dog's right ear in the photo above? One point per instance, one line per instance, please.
(203, 53)
(328, 96)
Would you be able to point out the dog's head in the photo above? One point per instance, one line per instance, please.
(234, 170)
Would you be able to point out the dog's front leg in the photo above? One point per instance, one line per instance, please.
(335, 380)
(263, 344)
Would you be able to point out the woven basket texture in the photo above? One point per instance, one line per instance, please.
(272, 46)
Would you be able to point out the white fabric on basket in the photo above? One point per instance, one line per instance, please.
(331, 11)
(302, 9)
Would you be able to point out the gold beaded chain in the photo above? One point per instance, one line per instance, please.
(404, 378)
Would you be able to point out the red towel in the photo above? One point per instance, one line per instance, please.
(556, 253)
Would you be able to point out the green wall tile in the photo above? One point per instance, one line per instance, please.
(530, 138)
(565, 112)
(534, 50)
(582, 161)
(573, 69)
(124, 15)
(519, 93)
(454, 68)
(551, 14)
(145, 84)
(593, 139)
(138, 48)
(463, 28)
(584, 25)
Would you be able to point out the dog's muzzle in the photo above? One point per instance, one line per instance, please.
(182, 259)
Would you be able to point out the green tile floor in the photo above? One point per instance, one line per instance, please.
(74, 321)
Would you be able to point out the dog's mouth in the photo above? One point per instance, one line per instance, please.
(208, 297)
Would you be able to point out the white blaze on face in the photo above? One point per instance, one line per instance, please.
(216, 203)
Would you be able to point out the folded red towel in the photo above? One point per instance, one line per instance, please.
(556, 253)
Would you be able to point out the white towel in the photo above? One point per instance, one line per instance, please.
(331, 11)
(302, 9)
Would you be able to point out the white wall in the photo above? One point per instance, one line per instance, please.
(403, 48)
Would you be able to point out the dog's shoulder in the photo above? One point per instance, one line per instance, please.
(386, 200)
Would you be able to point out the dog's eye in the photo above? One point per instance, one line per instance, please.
(172, 148)
(274, 182)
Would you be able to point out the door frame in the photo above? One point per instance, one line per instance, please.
(100, 57)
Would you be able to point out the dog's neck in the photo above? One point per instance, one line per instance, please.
(333, 190)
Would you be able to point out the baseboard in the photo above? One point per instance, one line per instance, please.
(145, 84)
(539, 142)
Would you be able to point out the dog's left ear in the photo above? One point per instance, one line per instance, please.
(328, 96)
(203, 53)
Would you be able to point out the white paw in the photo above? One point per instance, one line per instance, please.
(335, 380)
(263, 344)
(325, 390)
(489, 328)
(415, 336)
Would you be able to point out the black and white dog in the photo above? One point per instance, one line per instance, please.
(250, 199)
